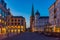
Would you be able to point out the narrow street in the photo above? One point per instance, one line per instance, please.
(31, 36)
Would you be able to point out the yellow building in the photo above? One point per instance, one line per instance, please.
(16, 24)
(10, 24)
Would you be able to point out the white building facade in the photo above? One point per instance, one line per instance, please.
(39, 22)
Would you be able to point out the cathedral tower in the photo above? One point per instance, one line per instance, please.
(32, 17)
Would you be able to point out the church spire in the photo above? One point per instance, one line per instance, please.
(32, 17)
(32, 10)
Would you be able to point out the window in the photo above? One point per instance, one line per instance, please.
(7, 14)
(21, 29)
(0, 12)
(5, 23)
(12, 30)
(15, 23)
(21, 20)
(9, 31)
(8, 20)
(3, 14)
(15, 30)
(12, 20)
(11, 23)
(18, 26)
(15, 20)
(3, 30)
(18, 20)
(18, 30)
(21, 23)
(0, 20)
(18, 23)
(57, 9)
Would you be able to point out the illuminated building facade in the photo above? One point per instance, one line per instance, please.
(40, 22)
(37, 22)
(16, 24)
(4, 12)
(54, 10)
(54, 17)
(10, 24)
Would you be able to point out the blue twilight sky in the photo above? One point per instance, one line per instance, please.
(24, 7)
